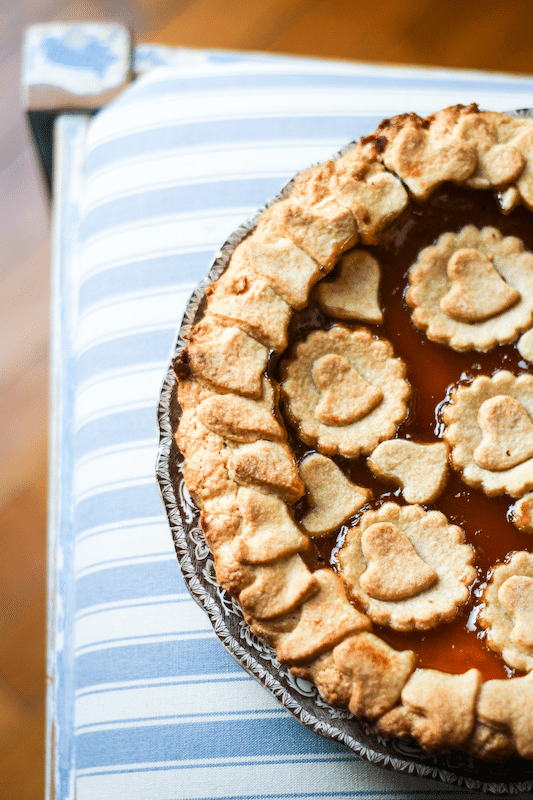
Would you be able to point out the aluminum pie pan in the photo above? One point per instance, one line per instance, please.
(300, 697)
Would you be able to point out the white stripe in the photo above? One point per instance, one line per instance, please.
(135, 622)
(193, 165)
(181, 701)
(278, 758)
(172, 720)
(120, 390)
(123, 525)
(159, 237)
(174, 679)
(133, 314)
(143, 640)
(116, 605)
(301, 101)
(131, 542)
(313, 780)
(114, 468)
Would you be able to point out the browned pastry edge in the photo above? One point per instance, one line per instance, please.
(306, 616)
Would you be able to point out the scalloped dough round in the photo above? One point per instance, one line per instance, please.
(430, 283)
(368, 357)
(508, 612)
(464, 433)
(439, 545)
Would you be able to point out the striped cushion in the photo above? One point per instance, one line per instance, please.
(181, 159)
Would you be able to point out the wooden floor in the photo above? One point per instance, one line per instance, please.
(482, 35)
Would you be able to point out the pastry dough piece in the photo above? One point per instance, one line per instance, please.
(508, 611)
(242, 297)
(522, 513)
(437, 709)
(323, 621)
(507, 434)
(288, 270)
(206, 455)
(525, 345)
(322, 229)
(426, 153)
(269, 466)
(278, 588)
(473, 323)
(332, 497)
(363, 673)
(524, 144)
(268, 531)
(477, 292)
(439, 545)
(467, 416)
(373, 195)
(490, 134)
(420, 469)
(240, 419)
(353, 294)
(385, 547)
(373, 359)
(226, 358)
(345, 396)
(503, 709)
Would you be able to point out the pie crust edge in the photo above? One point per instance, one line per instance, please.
(460, 711)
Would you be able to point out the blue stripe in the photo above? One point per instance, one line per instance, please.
(152, 579)
(150, 273)
(150, 204)
(127, 351)
(228, 739)
(136, 662)
(106, 508)
(340, 129)
(117, 428)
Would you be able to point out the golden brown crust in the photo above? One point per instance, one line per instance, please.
(353, 294)
(408, 549)
(420, 469)
(437, 709)
(239, 468)
(507, 614)
(226, 358)
(324, 480)
(372, 361)
(449, 298)
(243, 298)
(466, 432)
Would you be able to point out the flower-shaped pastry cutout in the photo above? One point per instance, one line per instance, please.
(406, 568)
(472, 289)
(345, 391)
(508, 612)
(489, 427)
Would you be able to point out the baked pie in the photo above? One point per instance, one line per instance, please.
(356, 413)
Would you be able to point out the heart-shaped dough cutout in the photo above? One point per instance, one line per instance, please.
(478, 291)
(345, 396)
(507, 434)
(395, 570)
(516, 596)
(354, 292)
(332, 497)
(420, 469)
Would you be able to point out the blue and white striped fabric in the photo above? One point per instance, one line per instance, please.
(160, 711)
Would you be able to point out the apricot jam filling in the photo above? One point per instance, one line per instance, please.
(432, 370)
